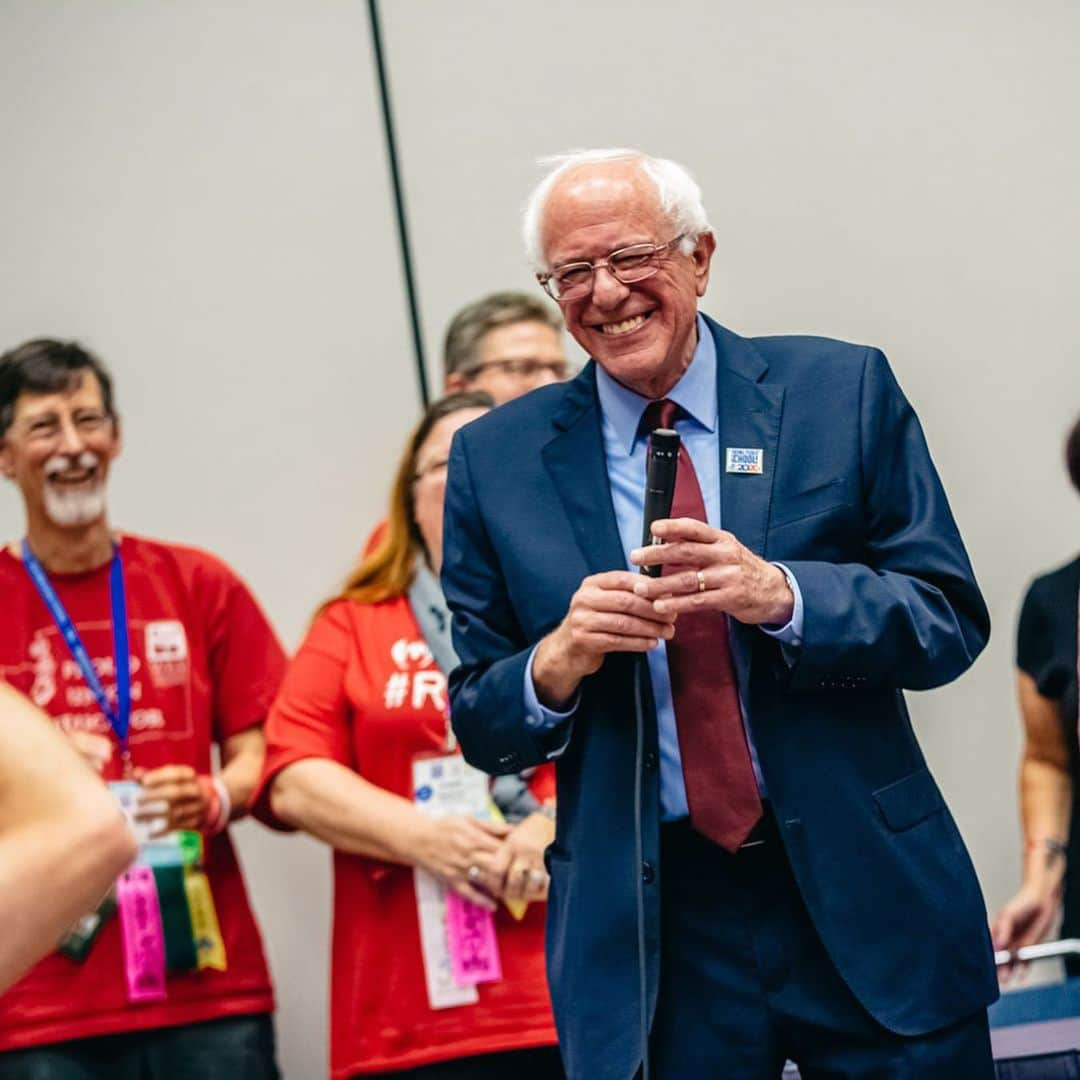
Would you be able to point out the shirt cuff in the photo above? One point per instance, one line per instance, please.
(543, 720)
(790, 635)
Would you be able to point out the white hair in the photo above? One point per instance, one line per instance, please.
(676, 189)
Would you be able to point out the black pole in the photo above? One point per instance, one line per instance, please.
(399, 201)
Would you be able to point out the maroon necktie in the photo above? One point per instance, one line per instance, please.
(720, 786)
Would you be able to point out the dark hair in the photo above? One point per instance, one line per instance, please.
(47, 366)
(1072, 454)
(473, 321)
(387, 570)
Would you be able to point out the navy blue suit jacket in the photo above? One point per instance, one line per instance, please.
(850, 501)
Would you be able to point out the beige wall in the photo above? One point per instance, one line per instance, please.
(199, 191)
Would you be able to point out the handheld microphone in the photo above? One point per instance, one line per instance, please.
(661, 464)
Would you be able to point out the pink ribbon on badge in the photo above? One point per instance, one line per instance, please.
(474, 947)
(144, 937)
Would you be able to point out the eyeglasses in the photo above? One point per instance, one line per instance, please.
(47, 428)
(526, 368)
(629, 264)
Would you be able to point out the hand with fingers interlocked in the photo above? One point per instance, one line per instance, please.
(713, 571)
(464, 853)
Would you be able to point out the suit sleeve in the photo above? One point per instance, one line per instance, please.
(487, 704)
(909, 614)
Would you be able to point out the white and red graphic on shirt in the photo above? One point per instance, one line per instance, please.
(160, 678)
(416, 682)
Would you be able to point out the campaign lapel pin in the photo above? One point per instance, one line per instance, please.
(750, 461)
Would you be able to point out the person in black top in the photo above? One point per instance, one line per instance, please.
(1047, 662)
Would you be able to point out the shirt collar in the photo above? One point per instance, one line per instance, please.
(695, 393)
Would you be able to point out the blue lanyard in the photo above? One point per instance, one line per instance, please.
(120, 716)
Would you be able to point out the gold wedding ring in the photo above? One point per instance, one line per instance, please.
(701, 581)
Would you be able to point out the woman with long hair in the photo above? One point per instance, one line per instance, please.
(358, 748)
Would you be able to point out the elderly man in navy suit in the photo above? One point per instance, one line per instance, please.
(752, 859)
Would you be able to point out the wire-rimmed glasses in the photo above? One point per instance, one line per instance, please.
(573, 280)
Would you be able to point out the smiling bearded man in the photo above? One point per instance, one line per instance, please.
(145, 654)
(752, 861)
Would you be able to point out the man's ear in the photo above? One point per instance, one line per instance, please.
(118, 439)
(455, 382)
(702, 256)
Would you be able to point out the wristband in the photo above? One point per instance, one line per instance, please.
(225, 804)
(218, 804)
(1053, 847)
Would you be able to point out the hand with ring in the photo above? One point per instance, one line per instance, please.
(463, 852)
(712, 570)
(521, 859)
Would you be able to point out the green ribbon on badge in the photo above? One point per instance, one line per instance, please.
(180, 952)
(191, 847)
(175, 854)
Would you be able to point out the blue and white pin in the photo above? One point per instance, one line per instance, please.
(744, 459)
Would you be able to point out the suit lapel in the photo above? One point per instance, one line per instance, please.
(577, 464)
(750, 414)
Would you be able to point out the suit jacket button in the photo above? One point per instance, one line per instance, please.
(650, 759)
(648, 873)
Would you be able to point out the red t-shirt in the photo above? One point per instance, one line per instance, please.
(205, 665)
(364, 691)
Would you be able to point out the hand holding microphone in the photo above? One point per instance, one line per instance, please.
(714, 569)
(606, 615)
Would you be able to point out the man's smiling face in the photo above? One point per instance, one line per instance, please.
(58, 450)
(642, 334)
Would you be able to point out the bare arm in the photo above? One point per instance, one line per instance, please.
(1045, 786)
(338, 806)
(241, 766)
(1045, 809)
(62, 837)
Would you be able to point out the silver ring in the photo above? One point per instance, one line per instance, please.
(537, 877)
(473, 874)
(701, 581)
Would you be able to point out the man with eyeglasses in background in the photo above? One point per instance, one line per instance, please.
(146, 654)
(506, 344)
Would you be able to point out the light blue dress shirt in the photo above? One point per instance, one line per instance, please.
(625, 449)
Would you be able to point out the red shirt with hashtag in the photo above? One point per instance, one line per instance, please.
(365, 691)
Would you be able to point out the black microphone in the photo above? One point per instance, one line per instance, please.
(661, 464)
